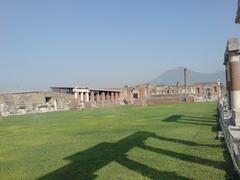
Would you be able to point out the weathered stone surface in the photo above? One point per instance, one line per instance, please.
(21, 103)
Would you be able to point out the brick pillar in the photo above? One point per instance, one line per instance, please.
(112, 96)
(234, 67)
(232, 63)
(116, 96)
(98, 97)
(108, 96)
(103, 96)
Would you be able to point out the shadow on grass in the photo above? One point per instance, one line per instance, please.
(188, 143)
(85, 164)
(190, 120)
(202, 119)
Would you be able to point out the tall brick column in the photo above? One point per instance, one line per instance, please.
(232, 63)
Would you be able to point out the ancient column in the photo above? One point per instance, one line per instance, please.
(116, 96)
(185, 83)
(98, 97)
(55, 104)
(92, 97)
(219, 90)
(87, 96)
(108, 96)
(76, 95)
(103, 96)
(112, 96)
(81, 96)
(177, 85)
(235, 82)
(228, 84)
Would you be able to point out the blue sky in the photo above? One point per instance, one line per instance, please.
(109, 43)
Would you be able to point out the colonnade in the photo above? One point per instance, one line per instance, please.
(88, 95)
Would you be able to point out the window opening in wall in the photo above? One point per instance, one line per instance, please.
(48, 99)
(135, 96)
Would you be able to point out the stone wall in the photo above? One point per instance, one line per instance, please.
(30, 102)
(35, 102)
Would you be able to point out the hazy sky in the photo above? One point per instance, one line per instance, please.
(109, 43)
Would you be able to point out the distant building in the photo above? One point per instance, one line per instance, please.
(145, 93)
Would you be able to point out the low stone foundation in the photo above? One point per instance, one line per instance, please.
(40, 102)
(168, 99)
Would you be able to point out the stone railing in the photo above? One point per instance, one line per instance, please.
(230, 132)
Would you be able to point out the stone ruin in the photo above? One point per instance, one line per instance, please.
(66, 98)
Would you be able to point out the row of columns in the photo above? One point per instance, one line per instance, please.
(83, 96)
(97, 96)
(104, 96)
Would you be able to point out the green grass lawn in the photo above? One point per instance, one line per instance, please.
(153, 142)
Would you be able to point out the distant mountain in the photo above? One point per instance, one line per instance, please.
(171, 77)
